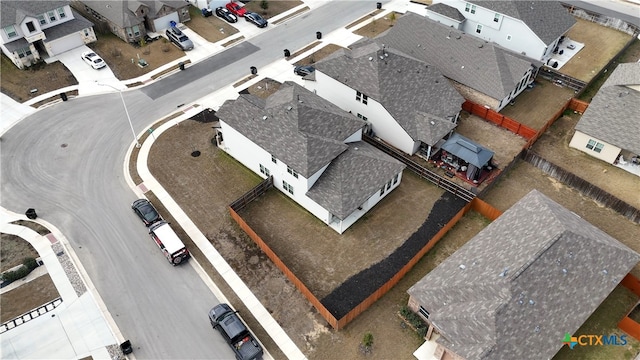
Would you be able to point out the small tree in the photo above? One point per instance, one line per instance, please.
(264, 5)
(367, 339)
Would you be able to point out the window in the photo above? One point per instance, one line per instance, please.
(41, 19)
(136, 30)
(273, 159)
(496, 17)
(61, 13)
(86, 32)
(467, 7)
(389, 185)
(10, 31)
(264, 170)
(287, 187)
(31, 27)
(395, 179)
(424, 312)
(473, 9)
(360, 116)
(595, 146)
(292, 172)
(24, 52)
(129, 32)
(382, 190)
(361, 97)
(52, 16)
(509, 38)
(479, 28)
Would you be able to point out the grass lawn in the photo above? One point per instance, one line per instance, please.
(604, 321)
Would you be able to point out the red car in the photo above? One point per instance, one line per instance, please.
(236, 8)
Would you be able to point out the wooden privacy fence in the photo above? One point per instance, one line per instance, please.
(583, 186)
(421, 171)
(627, 324)
(252, 194)
(499, 119)
(476, 204)
(572, 104)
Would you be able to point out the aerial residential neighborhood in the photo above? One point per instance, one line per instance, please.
(304, 179)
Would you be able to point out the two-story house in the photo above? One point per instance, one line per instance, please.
(32, 30)
(609, 129)
(530, 28)
(312, 149)
(481, 71)
(130, 20)
(407, 102)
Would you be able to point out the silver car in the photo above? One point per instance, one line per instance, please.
(179, 38)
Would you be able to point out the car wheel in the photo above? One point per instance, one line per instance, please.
(177, 260)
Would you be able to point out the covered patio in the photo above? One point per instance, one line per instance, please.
(466, 159)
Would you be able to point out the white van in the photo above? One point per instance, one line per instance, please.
(170, 244)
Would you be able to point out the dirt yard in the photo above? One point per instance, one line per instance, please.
(17, 84)
(27, 297)
(13, 251)
(212, 28)
(601, 44)
(273, 7)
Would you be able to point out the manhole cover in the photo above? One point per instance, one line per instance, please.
(195, 153)
(64, 145)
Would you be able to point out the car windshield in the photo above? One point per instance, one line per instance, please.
(183, 38)
(97, 61)
(149, 214)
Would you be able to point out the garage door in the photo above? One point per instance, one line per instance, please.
(65, 43)
(163, 22)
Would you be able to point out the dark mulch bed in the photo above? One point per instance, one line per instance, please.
(205, 116)
(360, 286)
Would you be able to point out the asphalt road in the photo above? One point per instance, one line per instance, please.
(66, 161)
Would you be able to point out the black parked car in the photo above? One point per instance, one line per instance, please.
(255, 18)
(147, 213)
(303, 70)
(224, 13)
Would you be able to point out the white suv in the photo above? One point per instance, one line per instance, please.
(179, 38)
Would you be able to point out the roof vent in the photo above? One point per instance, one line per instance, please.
(462, 267)
(458, 37)
(462, 67)
(449, 36)
(432, 122)
(531, 302)
(480, 46)
(564, 271)
(604, 272)
(537, 329)
(381, 57)
(504, 272)
(265, 117)
(370, 58)
(387, 54)
(289, 108)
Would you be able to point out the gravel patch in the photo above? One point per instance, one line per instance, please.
(69, 269)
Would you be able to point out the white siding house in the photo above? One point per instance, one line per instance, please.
(489, 74)
(32, 30)
(313, 151)
(609, 128)
(406, 102)
(530, 28)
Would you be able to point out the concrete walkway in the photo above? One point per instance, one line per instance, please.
(83, 326)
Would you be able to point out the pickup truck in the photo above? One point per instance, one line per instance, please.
(235, 332)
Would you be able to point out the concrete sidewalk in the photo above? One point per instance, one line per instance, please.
(79, 326)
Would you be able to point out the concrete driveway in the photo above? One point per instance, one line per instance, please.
(87, 77)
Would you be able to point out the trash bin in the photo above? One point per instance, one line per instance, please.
(181, 65)
(63, 96)
(318, 35)
(378, 5)
(254, 70)
(31, 213)
(287, 53)
(126, 347)
(207, 12)
(173, 23)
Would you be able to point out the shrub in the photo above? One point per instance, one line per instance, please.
(30, 263)
(11, 276)
(367, 339)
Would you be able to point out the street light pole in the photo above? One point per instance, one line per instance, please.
(135, 138)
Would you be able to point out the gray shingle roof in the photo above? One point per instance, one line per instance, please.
(68, 27)
(13, 12)
(612, 115)
(482, 66)
(446, 10)
(512, 291)
(301, 129)
(412, 91)
(547, 19)
(117, 12)
(352, 178)
(468, 150)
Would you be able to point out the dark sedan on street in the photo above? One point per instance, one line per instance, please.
(256, 19)
(147, 213)
(225, 14)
